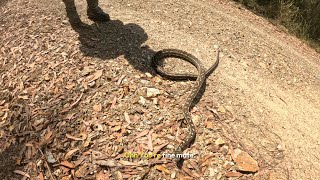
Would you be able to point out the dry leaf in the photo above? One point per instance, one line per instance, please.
(128, 163)
(126, 117)
(67, 164)
(118, 175)
(114, 101)
(109, 163)
(190, 173)
(22, 173)
(69, 116)
(150, 140)
(96, 75)
(158, 148)
(120, 79)
(141, 134)
(102, 176)
(70, 153)
(23, 97)
(162, 168)
(233, 174)
(46, 138)
(82, 171)
(73, 104)
(205, 159)
(74, 138)
(56, 90)
(40, 176)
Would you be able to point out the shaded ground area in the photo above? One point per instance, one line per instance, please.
(75, 99)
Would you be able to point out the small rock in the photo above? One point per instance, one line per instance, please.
(245, 162)
(228, 165)
(196, 119)
(281, 148)
(214, 148)
(148, 75)
(57, 172)
(157, 79)
(47, 77)
(224, 150)
(219, 141)
(212, 172)
(50, 158)
(209, 125)
(221, 109)
(152, 92)
(91, 84)
(173, 175)
(38, 121)
(142, 100)
(263, 65)
(145, 82)
(155, 101)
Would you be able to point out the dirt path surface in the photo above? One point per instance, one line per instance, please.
(61, 85)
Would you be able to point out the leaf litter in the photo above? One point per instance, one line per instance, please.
(68, 105)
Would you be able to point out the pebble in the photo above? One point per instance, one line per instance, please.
(145, 82)
(50, 158)
(173, 175)
(228, 165)
(212, 172)
(155, 101)
(245, 162)
(57, 172)
(225, 150)
(281, 147)
(92, 84)
(152, 92)
(219, 141)
(221, 109)
(142, 100)
(148, 75)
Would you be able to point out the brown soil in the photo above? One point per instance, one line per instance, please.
(264, 94)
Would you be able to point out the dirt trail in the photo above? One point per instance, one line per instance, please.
(266, 76)
(269, 80)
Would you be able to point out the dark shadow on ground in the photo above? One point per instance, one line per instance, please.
(8, 162)
(112, 39)
(109, 40)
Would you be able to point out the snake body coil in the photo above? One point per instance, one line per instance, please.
(199, 80)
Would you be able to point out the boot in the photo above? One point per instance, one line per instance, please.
(95, 13)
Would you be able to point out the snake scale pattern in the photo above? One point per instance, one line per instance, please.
(199, 80)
